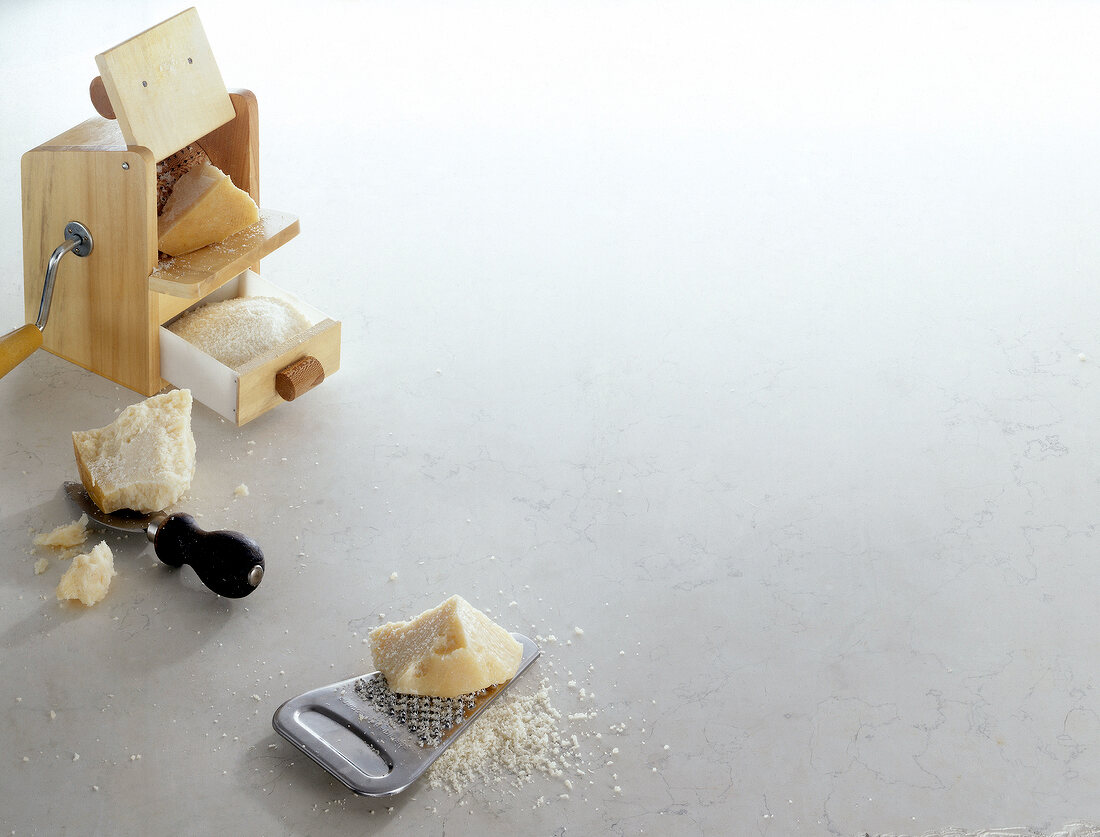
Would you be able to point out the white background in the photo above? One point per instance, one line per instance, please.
(758, 339)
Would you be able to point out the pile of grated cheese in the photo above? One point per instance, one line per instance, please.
(516, 737)
(236, 331)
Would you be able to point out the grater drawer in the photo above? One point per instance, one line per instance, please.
(241, 395)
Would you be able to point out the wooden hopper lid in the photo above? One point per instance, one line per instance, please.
(164, 85)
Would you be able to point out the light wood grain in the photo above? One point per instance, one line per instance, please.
(164, 85)
(235, 146)
(169, 306)
(194, 275)
(102, 313)
(256, 394)
(94, 133)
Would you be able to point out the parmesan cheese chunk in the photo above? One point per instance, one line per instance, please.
(204, 208)
(65, 536)
(144, 460)
(89, 577)
(450, 650)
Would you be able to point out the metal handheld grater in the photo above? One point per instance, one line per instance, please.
(378, 742)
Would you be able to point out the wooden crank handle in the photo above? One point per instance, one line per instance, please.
(100, 100)
(229, 563)
(16, 346)
(299, 377)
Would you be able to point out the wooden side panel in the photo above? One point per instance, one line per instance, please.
(103, 315)
(235, 146)
(94, 133)
(170, 306)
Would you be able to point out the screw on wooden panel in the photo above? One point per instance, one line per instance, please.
(299, 377)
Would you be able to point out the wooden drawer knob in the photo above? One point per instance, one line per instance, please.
(299, 377)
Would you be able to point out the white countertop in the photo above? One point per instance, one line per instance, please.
(759, 341)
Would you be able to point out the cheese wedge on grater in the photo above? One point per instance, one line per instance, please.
(204, 208)
(453, 649)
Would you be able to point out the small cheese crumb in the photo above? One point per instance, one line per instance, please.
(393, 576)
(579, 631)
(89, 577)
(40, 565)
(241, 490)
(66, 536)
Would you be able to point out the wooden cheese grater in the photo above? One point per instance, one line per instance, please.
(158, 93)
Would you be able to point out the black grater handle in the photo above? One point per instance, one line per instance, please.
(229, 563)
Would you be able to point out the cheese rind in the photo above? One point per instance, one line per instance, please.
(204, 208)
(89, 577)
(453, 649)
(144, 460)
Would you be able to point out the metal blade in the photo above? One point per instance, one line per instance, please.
(123, 520)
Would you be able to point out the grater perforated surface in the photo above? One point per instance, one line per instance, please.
(428, 718)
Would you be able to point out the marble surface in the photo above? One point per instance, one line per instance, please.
(758, 341)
